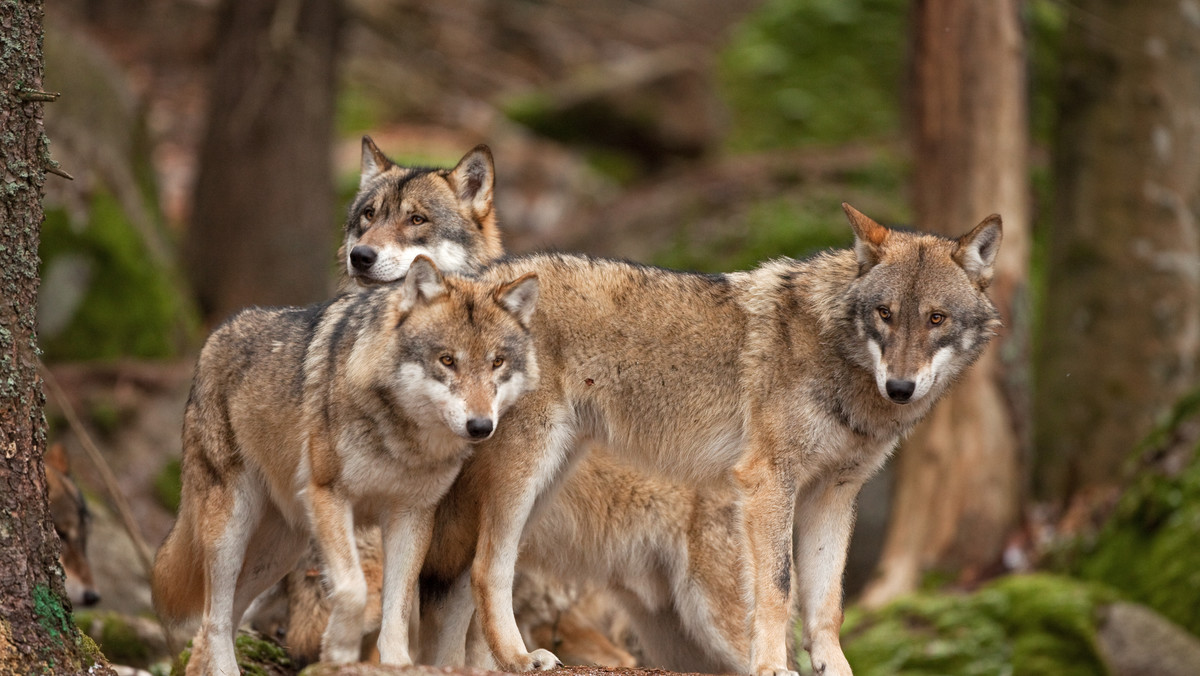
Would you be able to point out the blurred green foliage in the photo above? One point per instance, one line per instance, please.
(130, 305)
(1148, 549)
(168, 485)
(799, 72)
(1033, 625)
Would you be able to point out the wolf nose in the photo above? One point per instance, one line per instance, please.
(900, 391)
(362, 258)
(479, 428)
(90, 598)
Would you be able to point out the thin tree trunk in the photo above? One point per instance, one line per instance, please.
(263, 227)
(36, 632)
(1122, 310)
(958, 477)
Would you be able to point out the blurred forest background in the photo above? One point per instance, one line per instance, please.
(215, 145)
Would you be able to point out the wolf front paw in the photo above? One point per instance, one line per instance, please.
(770, 671)
(831, 663)
(538, 660)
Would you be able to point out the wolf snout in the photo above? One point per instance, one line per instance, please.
(90, 597)
(363, 257)
(900, 391)
(480, 428)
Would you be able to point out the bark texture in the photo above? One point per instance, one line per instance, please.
(263, 229)
(1122, 309)
(958, 477)
(36, 632)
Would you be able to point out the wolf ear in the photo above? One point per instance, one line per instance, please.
(519, 297)
(56, 457)
(473, 178)
(374, 162)
(422, 283)
(869, 237)
(976, 251)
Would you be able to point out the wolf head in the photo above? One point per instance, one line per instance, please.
(72, 522)
(404, 212)
(461, 350)
(919, 304)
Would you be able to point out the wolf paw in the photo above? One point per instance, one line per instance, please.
(538, 660)
(768, 671)
(834, 664)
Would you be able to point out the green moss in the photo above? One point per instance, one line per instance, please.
(129, 306)
(168, 485)
(118, 640)
(1023, 625)
(800, 72)
(1148, 549)
(254, 652)
(54, 618)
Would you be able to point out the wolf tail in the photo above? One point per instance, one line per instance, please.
(177, 585)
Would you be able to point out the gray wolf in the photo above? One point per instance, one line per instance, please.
(72, 522)
(401, 212)
(794, 380)
(306, 421)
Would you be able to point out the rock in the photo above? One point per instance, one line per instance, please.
(1136, 641)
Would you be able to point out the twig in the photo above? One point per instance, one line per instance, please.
(110, 484)
(36, 95)
(53, 169)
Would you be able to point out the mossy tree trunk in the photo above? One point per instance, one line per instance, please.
(263, 227)
(958, 477)
(36, 632)
(1121, 337)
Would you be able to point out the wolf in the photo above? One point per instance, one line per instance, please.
(794, 381)
(400, 213)
(73, 523)
(306, 421)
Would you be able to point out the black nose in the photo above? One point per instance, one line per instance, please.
(90, 598)
(900, 391)
(479, 428)
(362, 258)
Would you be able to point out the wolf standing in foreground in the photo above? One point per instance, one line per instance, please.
(796, 379)
(308, 420)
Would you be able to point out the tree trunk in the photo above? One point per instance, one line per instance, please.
(36, 631)
(957, 478)
(1122, 310)
(263, 227)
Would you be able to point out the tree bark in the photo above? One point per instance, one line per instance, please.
(958, 477)
(1122, 309)
(36, 631)
(263, 228)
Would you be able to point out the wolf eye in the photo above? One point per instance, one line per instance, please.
(497, 362)
(417, 219)
(884, 313)
(447, 361)
(368, 213)
(937, 318)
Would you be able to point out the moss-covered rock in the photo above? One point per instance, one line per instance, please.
(1029, 624)
(128, 640)
(256, 656)
(1148, 549)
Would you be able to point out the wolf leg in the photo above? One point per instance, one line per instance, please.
(824, 520)
(520, 467)
(227, 528)
(406, 535)
(445, 624)
(333, 527)
(271, 552)
(769, 496)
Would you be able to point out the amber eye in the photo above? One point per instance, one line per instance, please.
(368, 213)
(937, 318)
(416, 219)
(884, 313)
(447, 360)
(497, 362)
